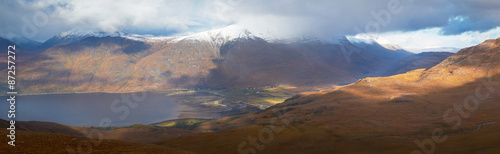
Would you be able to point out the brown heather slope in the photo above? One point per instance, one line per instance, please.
(38, 142)
(49, 137)
(117, 64)
(374, 115)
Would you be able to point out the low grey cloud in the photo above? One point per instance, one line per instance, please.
(323, 17)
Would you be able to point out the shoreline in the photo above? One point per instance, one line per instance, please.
(151, 124)
(103, 92)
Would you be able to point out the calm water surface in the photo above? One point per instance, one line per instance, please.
(89, 109)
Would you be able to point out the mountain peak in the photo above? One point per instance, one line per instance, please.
(488, 45)
(219, 35)
(364, 39)
(73, 36)
(492, 43)
(78, 34)
(233, 32)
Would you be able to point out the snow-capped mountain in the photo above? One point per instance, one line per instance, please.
(234, 32)
(217, 37)
(74, 36)
(364, 40)
(65, 38)
(220, 36)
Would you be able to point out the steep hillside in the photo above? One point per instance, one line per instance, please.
(457, 98)
(259, 63)
(135, 133)
(38, 142)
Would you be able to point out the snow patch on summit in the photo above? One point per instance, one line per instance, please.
(234, 32)
(370, 40)
(218, 36)
(77, 34)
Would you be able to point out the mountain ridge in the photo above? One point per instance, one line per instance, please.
(117, 63)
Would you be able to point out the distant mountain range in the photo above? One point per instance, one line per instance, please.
(230, 57)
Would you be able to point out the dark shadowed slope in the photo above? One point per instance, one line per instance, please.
(418, 61)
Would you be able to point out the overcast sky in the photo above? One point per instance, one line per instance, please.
(412, 24)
